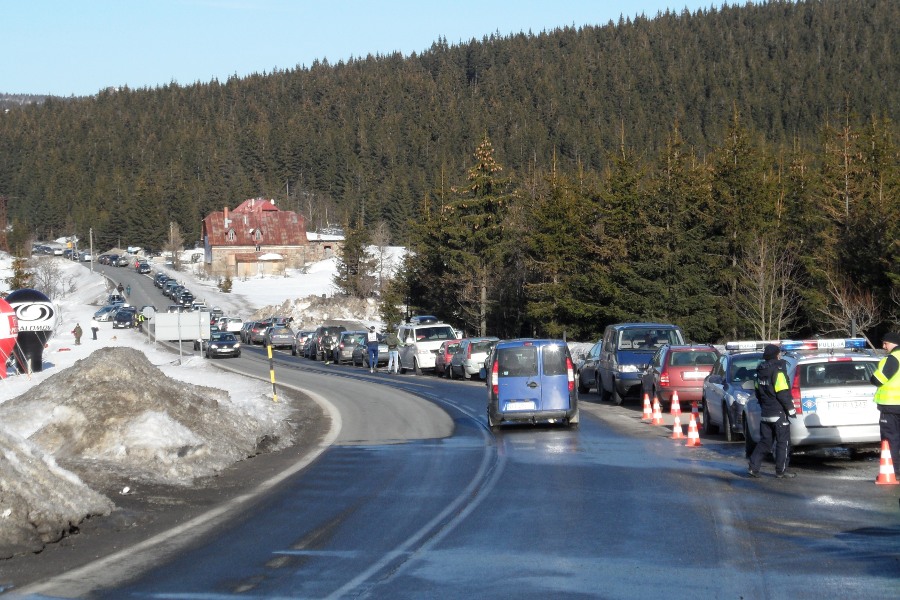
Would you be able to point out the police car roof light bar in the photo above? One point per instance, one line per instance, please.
(789, 345)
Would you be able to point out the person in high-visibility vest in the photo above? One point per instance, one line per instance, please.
(887, 395)
(776, 410)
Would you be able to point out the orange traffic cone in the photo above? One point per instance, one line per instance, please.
(886, 475)
(693, 437)
(695, 412)
(657, 412)
(677, 431)
(648, 414)
(675, 409)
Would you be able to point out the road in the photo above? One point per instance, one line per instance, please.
(417, 498)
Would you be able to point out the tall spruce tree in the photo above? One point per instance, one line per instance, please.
(355, 266)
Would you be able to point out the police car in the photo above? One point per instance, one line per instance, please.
(832, 394)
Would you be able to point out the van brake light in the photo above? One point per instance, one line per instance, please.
(495, 378)
(570, 373)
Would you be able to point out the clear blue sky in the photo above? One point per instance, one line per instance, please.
(78, 47)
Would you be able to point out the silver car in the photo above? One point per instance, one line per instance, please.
(279, 337)
(726, 393)
(469, 359)
(833, 395)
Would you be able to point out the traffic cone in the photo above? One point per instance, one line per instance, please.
(693, 437)
(695, 412)
(886, 475)
(675, 408)
(648, 414)
(657, 412)
(677, 431)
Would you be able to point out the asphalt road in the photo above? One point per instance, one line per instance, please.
(414, 497)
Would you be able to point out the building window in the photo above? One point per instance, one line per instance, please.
(257, 236)
(230, 236)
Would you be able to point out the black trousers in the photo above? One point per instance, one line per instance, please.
(890, 431)
(776, 434)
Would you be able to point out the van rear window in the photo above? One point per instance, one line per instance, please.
(554, 360)
(517, 362)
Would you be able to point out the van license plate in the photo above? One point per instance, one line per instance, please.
(520, 405)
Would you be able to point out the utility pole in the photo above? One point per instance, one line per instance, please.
(91, 240)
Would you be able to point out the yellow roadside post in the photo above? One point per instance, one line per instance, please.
(272, 374)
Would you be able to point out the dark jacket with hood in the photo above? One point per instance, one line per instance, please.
(773, 391)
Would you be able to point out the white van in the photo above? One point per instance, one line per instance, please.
(419, 344)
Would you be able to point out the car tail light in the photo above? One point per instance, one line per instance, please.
(570, 373)
(664, 377)
(469, 351)
(795, 393)
(495, 378)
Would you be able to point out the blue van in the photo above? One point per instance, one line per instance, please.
(531, 381)
(626, 350)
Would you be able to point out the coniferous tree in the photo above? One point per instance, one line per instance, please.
(355, 267)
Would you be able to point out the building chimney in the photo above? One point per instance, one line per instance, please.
(226, 221)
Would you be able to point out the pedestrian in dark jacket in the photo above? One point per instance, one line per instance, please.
(777, 407)
(77, 333)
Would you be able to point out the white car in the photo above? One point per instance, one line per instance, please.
(232, 324)
(832, 393)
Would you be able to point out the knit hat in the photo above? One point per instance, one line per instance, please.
(770, 351)
(891, 337)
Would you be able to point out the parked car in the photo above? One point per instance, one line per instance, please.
(244, 333)
(143, 267)
(832, 392)
(106, 312)
(586, 368)
(324, 339)
(469, 360)
(301, 338)
(444, 356)
(115, 298)
(360, 356)
(278, 337)
(123, 261)
(222, 343)
(124, 317)
(348, 340)
(680, 369)
(626, 350)
(724, 394)
(531, 381)
(419, 344)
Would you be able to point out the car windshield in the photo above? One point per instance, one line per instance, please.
(453, 348)
(442, 332)
(836, 373)
(280, 331)
(223, 337)
(647, 338)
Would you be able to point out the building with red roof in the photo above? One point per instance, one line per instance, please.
(258, 238)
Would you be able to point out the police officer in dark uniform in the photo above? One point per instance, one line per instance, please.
(774, 395)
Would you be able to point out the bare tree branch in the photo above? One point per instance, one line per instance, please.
(849, 307)
(768, 284)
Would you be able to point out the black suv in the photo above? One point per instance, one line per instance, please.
(324, 341)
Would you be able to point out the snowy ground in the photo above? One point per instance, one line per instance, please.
(121, 409)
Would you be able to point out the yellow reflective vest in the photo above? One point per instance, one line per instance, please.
(889, 390)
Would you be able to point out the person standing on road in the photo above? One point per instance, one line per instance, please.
(393, 343)
(887, 395)
(774, 395)
(77, 333)
(127, 291)
(95, 327)
(372, 347)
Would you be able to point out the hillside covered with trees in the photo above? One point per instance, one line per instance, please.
(733, 170)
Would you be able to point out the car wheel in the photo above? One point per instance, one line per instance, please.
(582, 389)
(416, 367)
(726, 425)
(749, 444)
(450, 372)
(293, 351)
(237, 355)
(604, 395)
(616, 396)
(708, 427)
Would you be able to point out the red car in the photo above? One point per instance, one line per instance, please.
(678, 368)
(444, 356)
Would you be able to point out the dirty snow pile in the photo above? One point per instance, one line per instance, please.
(123, 409)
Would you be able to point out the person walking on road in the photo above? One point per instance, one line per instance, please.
(393, 343)
(95, 327)
(127, 291)
(372, 347)
(774, 395)
(887, 395)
